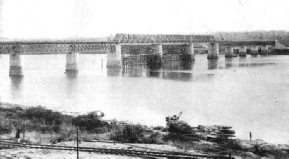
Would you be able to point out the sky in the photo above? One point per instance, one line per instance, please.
(57, 19)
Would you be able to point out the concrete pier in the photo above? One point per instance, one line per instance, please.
(157, 49)
(15, 68)
(264, 50)
(114, 57)
(254, 50)
(160, 49)
(213, 51)
(71, 62)
(229, 51)
(191, 51)
(242, 51)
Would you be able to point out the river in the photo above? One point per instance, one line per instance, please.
(250, 94)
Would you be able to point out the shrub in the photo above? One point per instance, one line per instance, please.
(161, 128)
(180, 127)
(128, 133)
(90, 124)
(180, 137)
(46, 116)
(155, 138)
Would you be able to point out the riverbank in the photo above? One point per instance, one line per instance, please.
(39, 125)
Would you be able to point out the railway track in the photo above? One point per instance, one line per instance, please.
(125, 152)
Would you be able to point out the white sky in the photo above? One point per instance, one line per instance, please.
(93, 18)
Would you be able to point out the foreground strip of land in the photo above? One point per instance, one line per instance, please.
(135, 153)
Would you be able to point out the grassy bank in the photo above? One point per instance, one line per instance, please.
(41, 125)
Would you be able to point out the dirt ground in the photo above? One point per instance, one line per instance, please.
(22, 153)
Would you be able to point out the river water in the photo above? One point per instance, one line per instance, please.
(249, 94)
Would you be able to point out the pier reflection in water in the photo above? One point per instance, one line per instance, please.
(71, 74)
(212, 64)
(173, 70)
(16, 86)
(243, 62)
(229, 62)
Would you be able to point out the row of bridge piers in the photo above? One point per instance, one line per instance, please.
(114, 58)
(243, 50)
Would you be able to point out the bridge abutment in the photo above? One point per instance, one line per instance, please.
(114, 57)
(191, 51)
(71, 62)
(213, 51)
(264, 50)
(243, 51)
(229, 51)
(15, 68)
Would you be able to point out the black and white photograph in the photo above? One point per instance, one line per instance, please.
(152, 79)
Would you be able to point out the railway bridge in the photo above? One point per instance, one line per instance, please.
(113, 48)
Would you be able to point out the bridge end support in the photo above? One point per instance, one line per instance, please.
(213, 51)
(114, 58)
(71, 62)
(15, 68)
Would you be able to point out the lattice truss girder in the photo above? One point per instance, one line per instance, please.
(158, 38)
(54, 48)
(136, 47)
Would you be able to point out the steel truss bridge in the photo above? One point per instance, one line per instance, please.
(56, 47)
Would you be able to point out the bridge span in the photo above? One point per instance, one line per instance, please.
(113, 48)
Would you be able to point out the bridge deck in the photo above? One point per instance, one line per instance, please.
(161, 38)
(245, 43)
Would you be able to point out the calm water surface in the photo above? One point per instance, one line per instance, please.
(249, 94)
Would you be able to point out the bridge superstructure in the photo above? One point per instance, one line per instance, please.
(162, 39)
(47, 47)
(113, 48)
(157, 41)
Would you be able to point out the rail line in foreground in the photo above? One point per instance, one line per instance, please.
(124, 152)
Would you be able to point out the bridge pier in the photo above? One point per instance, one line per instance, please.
(114, 57)
(242, 51)
(15, 68)
(213, 51)
(157, 49)
(191, 51)
(71, 62)
(264, 50)
(254, 50)
(229, 51)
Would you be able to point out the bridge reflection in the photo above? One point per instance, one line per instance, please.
(229, 62)
(173, 70)
(212, 64)
(111, 71)
(71, 74)
(16, 86)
